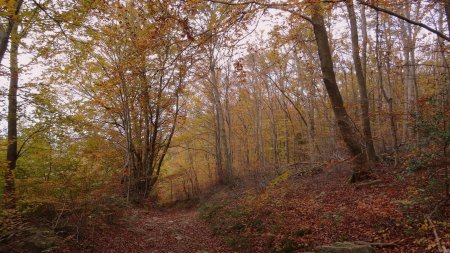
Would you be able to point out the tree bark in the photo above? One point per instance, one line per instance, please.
(286, 136)
(273, 125)
(443, 53)
(364, 101)
(364, 40)
(11, 153)
(447, 13)
(258, 119)
(411, 92)
(226, 170)
(5, 34)
(388, 98)
(346, 128)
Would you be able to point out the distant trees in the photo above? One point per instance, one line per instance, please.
(222, 140)
(278, 83)
(243, 105)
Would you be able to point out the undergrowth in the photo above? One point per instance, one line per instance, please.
(43, 222)
(295, 214)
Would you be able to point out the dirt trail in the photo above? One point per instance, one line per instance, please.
(176, 231)
(165, 231)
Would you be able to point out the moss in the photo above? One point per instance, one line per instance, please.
(281, 178)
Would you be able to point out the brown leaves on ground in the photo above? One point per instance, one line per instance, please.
(294, 213)
(304, 212)
(176, 231)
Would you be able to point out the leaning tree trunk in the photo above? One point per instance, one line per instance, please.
(346, 128)
(5, 34)
(364, 101)
(11, 153)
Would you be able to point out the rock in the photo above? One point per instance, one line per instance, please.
(345, 247)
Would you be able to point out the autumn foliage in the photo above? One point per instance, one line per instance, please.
(260, 126)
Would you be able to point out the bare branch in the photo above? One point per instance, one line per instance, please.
(277, 6)
(438, 33)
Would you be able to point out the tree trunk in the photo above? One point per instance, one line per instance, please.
(286, 136)
(222, 136)
(228, 119)
(193, 172)
(273, 125)
(388, 98)
(218, 155)
(411, 92)
(364, 40)
(447, 13)
(346, 128)
(311, 126)
(11, 153)
(5, 34)
(443, 55)
(364, 101)
(258, 119)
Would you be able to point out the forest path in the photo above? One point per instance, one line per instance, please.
(174, 230)
(178, 230)
(168, 230)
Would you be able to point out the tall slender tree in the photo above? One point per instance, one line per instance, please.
(11, 155)
(346, 127)
(361, 78)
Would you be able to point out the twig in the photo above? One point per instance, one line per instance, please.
(368, 183)
(378, 244)
(59, 216)
(442, 203)
(441, 247)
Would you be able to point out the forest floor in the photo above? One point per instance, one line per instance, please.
(304, 208)
(176, 230)
(294, 212)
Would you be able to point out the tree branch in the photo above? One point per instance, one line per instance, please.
(438, 33)
(5, 35)
(277, 6)
(28, 138)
